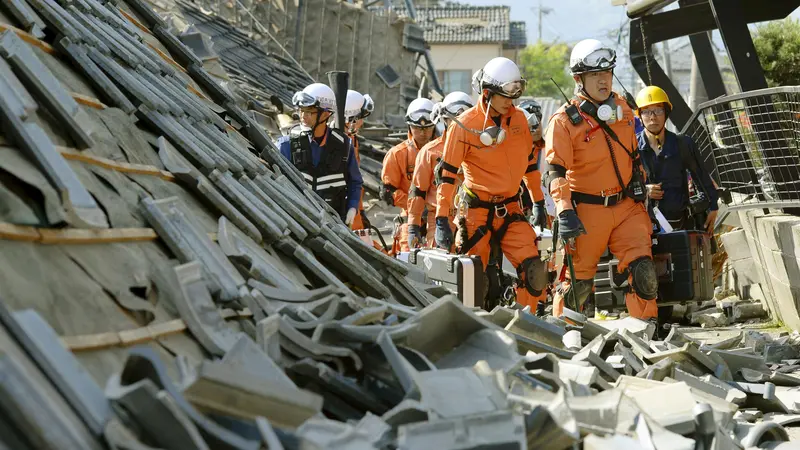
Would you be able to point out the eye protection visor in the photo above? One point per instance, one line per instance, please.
(420, 118)
(302, 100)
(369, 106)
(602, 58)
(456, 108)
(513, 89)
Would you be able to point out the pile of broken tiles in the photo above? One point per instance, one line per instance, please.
(363, 352)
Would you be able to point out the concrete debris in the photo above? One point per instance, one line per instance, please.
(280, 326)
(636, 327)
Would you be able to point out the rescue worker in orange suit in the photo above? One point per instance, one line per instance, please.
(423, 183)
(323, 155)
(491, 142)
(398, 166)
(356, 109)
(597, 183)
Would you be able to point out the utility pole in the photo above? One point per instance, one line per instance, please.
(543, 11)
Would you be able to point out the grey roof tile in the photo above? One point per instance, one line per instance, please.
(459, 24)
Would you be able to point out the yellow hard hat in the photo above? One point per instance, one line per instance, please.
(652, 95)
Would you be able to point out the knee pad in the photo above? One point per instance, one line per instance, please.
(644, 280)
(582, 289)
(533, 273)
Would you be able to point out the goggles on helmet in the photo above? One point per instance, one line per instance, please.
(455, 108)
(420, 118)
(513, 89)
(510, 89)
(301, 99)
(368, 107)
(599, 60)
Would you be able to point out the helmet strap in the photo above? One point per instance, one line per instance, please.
(317, 123)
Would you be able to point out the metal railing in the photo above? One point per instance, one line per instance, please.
(751, 144)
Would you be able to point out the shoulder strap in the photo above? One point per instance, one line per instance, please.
(338, 150)
(689, 159)
(687, 156)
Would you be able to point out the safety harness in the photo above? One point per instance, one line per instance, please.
(496, 207)
(606, 199)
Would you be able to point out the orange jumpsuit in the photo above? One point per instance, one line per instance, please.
(493, 174)
(625, 227)
(423, 180)
(358, 224)
(398, 168)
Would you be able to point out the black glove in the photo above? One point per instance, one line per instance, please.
(569, 226)
(386, 194)
(539, 215)
(364, 220)
(444, 235)
(414, 237)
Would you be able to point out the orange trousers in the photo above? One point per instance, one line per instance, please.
(625, 229)
(400, 239)
(518, 244)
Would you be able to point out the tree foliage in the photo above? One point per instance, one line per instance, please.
(778, 46)
(540, 62)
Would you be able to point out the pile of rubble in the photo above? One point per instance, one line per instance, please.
(247, 315)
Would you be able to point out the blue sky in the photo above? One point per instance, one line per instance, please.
(570, 20)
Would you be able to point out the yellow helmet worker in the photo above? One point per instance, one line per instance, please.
(652, 95)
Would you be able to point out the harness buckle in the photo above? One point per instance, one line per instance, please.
(501, 211)
(606, 197)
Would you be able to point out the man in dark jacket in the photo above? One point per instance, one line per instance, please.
(667, 158)
(325, 156)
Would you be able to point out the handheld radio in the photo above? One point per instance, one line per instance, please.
(571, 110)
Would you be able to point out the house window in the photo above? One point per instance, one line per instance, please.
(455, 80)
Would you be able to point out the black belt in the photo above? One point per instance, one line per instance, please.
(610, 200)
(474, 202)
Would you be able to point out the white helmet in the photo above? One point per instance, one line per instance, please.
(419, 113)
(455, 103)
(590, 55)
(500, 76)
(317, 94)
(353, 105)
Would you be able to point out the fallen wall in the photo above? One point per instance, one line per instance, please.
(773, 242)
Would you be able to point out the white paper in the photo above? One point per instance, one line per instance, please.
(662, 220)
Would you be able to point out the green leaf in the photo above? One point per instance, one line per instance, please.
(541, 61)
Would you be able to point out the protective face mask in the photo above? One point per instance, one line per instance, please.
(493, 134)
(609, 112)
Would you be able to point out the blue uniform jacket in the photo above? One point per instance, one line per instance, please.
(353, 178)
(668, 169)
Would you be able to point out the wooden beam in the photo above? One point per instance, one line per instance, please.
(29, 38)
(140, 169)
